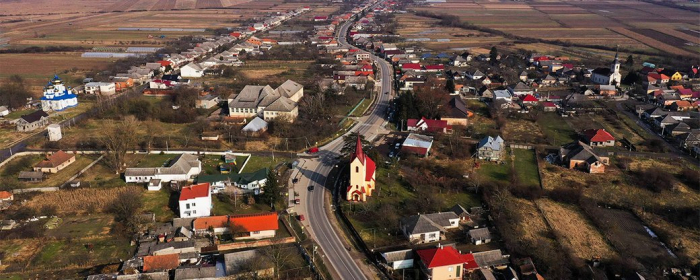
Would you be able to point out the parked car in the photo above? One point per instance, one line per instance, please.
(311, 188)
(301, 218)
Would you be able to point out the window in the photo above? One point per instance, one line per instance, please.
(193, 205)
(450, 269)
(459, 270)
(256, 232)
(432, 235)
(357, 169)
(194, 211)
(187, 206)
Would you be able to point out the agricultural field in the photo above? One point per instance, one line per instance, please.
(37, 69)
(590, 22)
(425, 31)
(575, 231)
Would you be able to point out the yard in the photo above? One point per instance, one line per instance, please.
(159, 203)
(258, 162)
(231, 205)
(25, 163)
(525, 166)
(556, 130)
(82, 252)
(87, 226)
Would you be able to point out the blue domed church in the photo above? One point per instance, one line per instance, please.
(57, 97)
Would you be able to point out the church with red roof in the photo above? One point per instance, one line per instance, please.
(361, 175)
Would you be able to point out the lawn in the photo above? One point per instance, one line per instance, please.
(158, 203)
(257, 162)
(210, 164)
(61, 253)
(362, 107)
(82, 226)
(154, 160)
(224, 205)
(496, 172)
(556, 130)
(525, 165)
(51, 180)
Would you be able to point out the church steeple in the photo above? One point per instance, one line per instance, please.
(358, 150)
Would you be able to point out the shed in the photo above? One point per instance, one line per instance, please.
(399, 259)
(480, 236)
(31, 176)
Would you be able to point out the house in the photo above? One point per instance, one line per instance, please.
(246, 226)
(252, 181)
(30, 176)
(161, 262)
(579, 155)
(549, 106)
(6, 196)
(606, 90)
(358, 82)
(681, 105)
(456, 112)
(237, 265)
(283, 108)
(476, 75)
(598, 138)
(608, 76)
(182, 168)
(207, 101)
(428, 125)
(255, 127)
(55, 162)
(459, 61)
(480, 236)
(491, 259)
(678, 129)
(529, 99)
(690, 139)
(205, 273)
(523, 76)
(57, 96)
(32, 121)
(362, 175)
(491, 149)
(154, 185)
(425, 228)
(192, 70)
(417, 144)
(445, 263)
(400, 259)
(195, 201)
(520, 89)
(502, 94)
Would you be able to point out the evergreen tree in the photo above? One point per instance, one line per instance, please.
(493, 54)
(272, 189)
(630, 61)
(450, 86)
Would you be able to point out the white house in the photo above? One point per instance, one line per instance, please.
(192, 70)
(182, 168)
(424, 228)
(4, 111)
(195, 201)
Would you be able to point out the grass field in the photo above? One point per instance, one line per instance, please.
(556, 130)
(157, 202)
(525, 165)
(51, 180)
(89, 226)
(257, 162)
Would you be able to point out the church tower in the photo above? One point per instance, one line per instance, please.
(361, 175)
(615, 76)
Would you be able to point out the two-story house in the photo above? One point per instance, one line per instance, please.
(195, 201)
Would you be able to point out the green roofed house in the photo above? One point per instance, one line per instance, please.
(248, 182)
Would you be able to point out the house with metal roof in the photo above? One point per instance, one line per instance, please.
(425, 228)
(182, 168)
(400, 259)
(417, 144)
(579, 155)
(491, 149)
(256, 126)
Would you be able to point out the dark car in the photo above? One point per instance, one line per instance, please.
(311, 188)
(295, 180)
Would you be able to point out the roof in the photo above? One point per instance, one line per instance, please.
(194, 191)
(249, 222)
(598, 135)
(414, 66)
(161, 262)
(529, 98)
(289, 88)
(432, 125)
(490, 258)
(54, 160)
(444, 256)
(195, 273)
(282, 104)
(424, 223)
(580, 151)
(5, 194)
(489, 142)
(366, 161)
(480, 233)
(246, 178)
(398, 255)
(456, 108)
(459, 210)
(548, 104)
(255, 125)
(35, 116)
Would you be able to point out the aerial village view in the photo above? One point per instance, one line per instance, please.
(350, 139)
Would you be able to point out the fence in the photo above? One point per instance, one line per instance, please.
(253, 244)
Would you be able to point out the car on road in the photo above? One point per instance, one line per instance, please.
(301, 218)
(311, 188)
(295, 180)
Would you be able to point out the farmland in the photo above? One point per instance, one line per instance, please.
(587, 23)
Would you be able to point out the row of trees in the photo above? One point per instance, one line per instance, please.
(14, 92)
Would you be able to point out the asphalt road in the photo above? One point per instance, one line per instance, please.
(315, 173)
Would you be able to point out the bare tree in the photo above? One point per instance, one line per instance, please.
(279, 254)
(118, 141)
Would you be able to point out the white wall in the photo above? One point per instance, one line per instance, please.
(198, 207)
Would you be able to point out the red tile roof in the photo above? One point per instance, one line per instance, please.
(433, 125)
(414, 66)
(164, 63)
(161, 262)
(55, 159)
(249, 222)
(529, 98)
(367, 162)
(445, 256)
(434, 67)
(5, 195)
(657, 76)
(194, 191)
(598, 135)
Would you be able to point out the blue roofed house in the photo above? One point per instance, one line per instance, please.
(491, 149)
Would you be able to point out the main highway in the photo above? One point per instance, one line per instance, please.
(314, 172)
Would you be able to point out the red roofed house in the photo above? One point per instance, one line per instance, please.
(529, 99)
(361, 175)
(434, 68)
(445, 263)
(428, 125)
(247, 226)
(195, 201)
(236, 35)
(55, 162)
(656, 78)
(320, 18)
(6, 196)
(598, 138)
(411, 66)
(161, 262)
